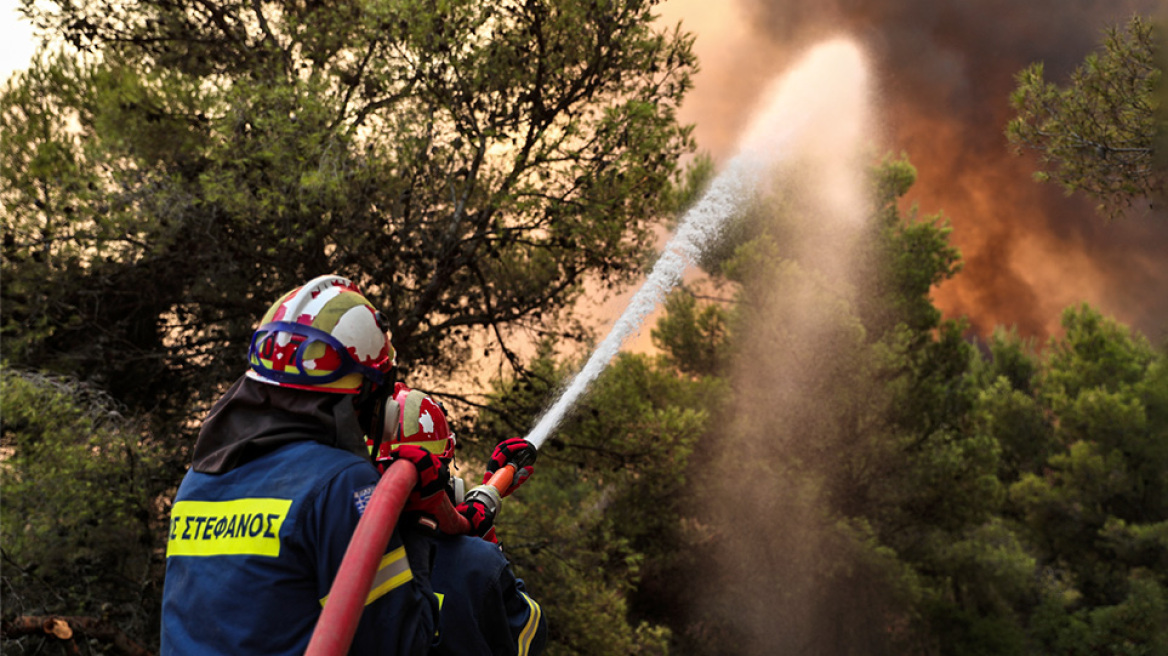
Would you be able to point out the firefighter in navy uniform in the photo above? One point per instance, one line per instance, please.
(485, 608)
(279, 479)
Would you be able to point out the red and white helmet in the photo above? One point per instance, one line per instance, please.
(324, 337)
(421, 421)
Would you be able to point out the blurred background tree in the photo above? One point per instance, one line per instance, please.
(82, 484)
(1103, 133)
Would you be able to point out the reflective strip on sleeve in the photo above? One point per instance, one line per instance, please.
(527, 635)
(240, 527)
(393, 572)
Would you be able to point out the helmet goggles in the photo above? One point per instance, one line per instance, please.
(284, 362)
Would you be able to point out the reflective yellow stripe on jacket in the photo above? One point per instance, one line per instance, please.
(393, 571)
(529, 629)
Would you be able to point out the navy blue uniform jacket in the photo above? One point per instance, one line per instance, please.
(485, 608)
(253, 552)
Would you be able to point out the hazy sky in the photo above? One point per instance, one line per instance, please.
(16, 45)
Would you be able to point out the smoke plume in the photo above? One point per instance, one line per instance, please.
(945, 70)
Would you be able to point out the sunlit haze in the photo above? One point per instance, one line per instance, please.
(16, 37)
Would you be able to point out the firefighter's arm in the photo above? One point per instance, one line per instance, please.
(525, 622)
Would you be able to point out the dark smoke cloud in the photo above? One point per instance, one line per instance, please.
(946, 69)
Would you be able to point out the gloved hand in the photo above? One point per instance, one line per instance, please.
(433, 477)
(481, 519)
(515, 450)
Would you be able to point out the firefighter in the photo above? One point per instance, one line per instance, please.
(485, 608)
(279, 479)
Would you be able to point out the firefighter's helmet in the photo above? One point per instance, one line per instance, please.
(324, 336)
(421, 421)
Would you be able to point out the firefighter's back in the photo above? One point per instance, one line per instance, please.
(252, 553)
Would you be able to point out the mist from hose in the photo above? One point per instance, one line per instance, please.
(796, 104)
(781, 572)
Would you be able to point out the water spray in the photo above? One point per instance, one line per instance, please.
(699, 226)
(769, 139)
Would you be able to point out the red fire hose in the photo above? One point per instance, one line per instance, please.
(342, 610)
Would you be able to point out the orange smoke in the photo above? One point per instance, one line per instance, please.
(945, 69)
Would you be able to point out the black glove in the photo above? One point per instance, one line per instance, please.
(478, 514)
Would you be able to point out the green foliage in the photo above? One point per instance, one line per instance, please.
(78, 509)
(1096, 508)
(692, 184)
(1099, 134)
(1097, 353)
(598, 533)
(469, 164)
(1136, 626)
(1019, 425)
(576, 565)
(1007, 408)
(902, 257)
(1013, 357)
(848, 499)
(693, 339)
(926, 498)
